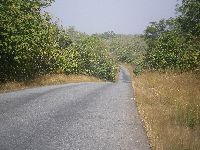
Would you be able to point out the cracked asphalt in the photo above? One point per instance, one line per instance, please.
(79, 116)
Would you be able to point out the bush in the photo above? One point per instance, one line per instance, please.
(32, 45)
(94, 58)
(175, 43)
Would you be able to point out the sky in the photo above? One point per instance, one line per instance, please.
(120, 16)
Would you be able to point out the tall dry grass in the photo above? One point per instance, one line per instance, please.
(47, 80)
(169, 104)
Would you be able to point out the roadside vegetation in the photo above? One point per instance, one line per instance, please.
(34, 50)
(125, 48)
(168, 88)
(32, 45)
(165, 62)
(174, 44)
(48, 79)
(169, 105)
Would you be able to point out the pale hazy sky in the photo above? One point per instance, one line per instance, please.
(120, 16)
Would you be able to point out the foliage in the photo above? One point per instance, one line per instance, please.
(74, 35)
(29, 43)
(128, 49)
(138, 70)
(32, 45)
(190, 17)
(94, 58)
(175, 43)
(125, 48)
(106, 35)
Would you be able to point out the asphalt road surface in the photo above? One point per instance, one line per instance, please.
(81, 116)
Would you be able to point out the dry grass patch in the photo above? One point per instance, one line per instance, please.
(169, 105)
(47, 80)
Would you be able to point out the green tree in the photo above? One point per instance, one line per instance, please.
(174, 43)
(189, 17)
(29, 43)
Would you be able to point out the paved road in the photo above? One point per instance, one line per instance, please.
(83, 116)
